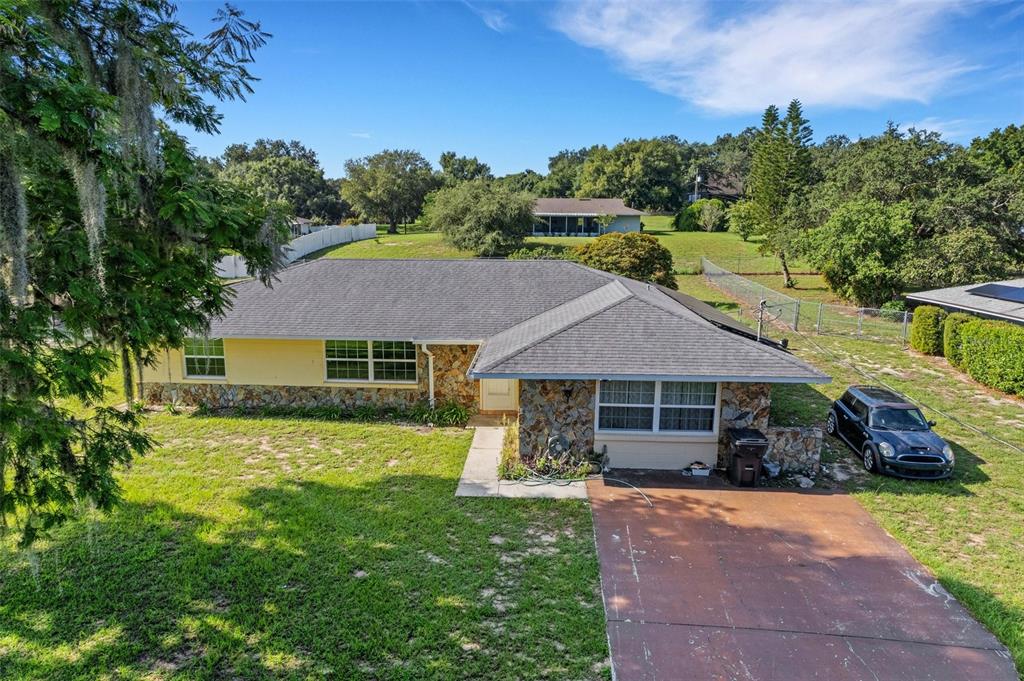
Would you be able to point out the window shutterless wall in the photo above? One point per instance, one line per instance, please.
(673, 450)
(259, 362)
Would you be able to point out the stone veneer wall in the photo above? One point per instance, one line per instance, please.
(451, 383)
(224, 395)
(744, 405)
(451, 380)
(795, 449)
(544, 410)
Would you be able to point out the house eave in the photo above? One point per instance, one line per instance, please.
(1017, 319)
(718, 378)
(359, 337)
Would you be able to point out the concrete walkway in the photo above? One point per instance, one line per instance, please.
(480, 474)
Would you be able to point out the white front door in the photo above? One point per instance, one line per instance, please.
(499, 394)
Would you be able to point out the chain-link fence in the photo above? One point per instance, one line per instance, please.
(740, 264)
(778, 309)
(773, 309)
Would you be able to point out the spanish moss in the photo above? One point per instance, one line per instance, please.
(138, 125)
(13, 231)
(92, 199)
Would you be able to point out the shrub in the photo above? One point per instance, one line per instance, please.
(510, 466)
(743, 219)
(926, 329)
(686, 220)
(893, 310)
(951, 342)
(704, 214)
(710, 214)
(992, 353)
(450, 414)
(632, 254)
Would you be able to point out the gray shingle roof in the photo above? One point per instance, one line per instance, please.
(639, 331)
(965, 298)
(592, 207)
(420, 300)
(534, 318)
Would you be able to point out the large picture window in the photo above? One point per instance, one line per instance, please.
(383, 361)
(657, 406)
(204, 358)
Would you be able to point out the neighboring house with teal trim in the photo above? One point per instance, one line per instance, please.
(584, 217)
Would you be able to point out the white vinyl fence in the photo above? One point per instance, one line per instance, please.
(233, 266)
(887, 326)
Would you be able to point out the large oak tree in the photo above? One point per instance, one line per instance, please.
(389, 186)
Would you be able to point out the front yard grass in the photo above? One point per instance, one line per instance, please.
(291, 548)
(968, 530)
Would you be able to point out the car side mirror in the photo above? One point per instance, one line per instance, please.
(855, 419)
(931, 424)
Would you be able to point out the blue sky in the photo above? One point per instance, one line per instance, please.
(514, 82)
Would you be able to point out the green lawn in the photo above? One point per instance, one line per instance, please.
(724, 248)
(809, 287)
(969, 530)
(256, 548)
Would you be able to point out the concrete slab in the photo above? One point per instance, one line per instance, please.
(715, 582)
(480, 474)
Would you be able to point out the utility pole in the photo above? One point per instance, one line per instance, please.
(760, 317)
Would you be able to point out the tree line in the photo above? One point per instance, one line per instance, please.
(877, 216)
(885, 214)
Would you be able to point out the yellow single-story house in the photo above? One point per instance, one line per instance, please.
(647, 376)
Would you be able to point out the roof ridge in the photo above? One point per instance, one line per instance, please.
(561, 329)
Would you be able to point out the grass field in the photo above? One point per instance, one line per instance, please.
(258, 548)
(968, 530)
(724, 248)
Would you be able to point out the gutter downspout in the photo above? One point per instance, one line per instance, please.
(430, 372)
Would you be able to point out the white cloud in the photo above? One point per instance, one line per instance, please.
(493, 18)
(823, 53)
(955, 129)
(360, 135)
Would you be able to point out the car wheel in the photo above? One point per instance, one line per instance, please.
(830, 423)
(868, 457)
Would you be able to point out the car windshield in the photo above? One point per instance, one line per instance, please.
(893, 418)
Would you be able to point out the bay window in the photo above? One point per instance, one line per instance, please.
(374, 361)
(657, 406)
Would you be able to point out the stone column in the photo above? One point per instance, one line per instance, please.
(551, 407)
(744, 405)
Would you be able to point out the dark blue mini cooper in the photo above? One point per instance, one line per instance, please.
(890, 434)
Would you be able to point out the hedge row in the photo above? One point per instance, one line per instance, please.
(992, 353)
(926, 329)
(951, 342)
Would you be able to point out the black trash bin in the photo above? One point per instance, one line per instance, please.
(747, 448)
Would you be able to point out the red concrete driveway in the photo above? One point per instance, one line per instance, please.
(720, 583)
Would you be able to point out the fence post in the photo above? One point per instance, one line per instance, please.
(796, 316)
(817, 323)
(860, 322)
(906, 315)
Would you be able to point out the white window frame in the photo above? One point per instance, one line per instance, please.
(209, 377)
(655, 429)
(370, 359)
